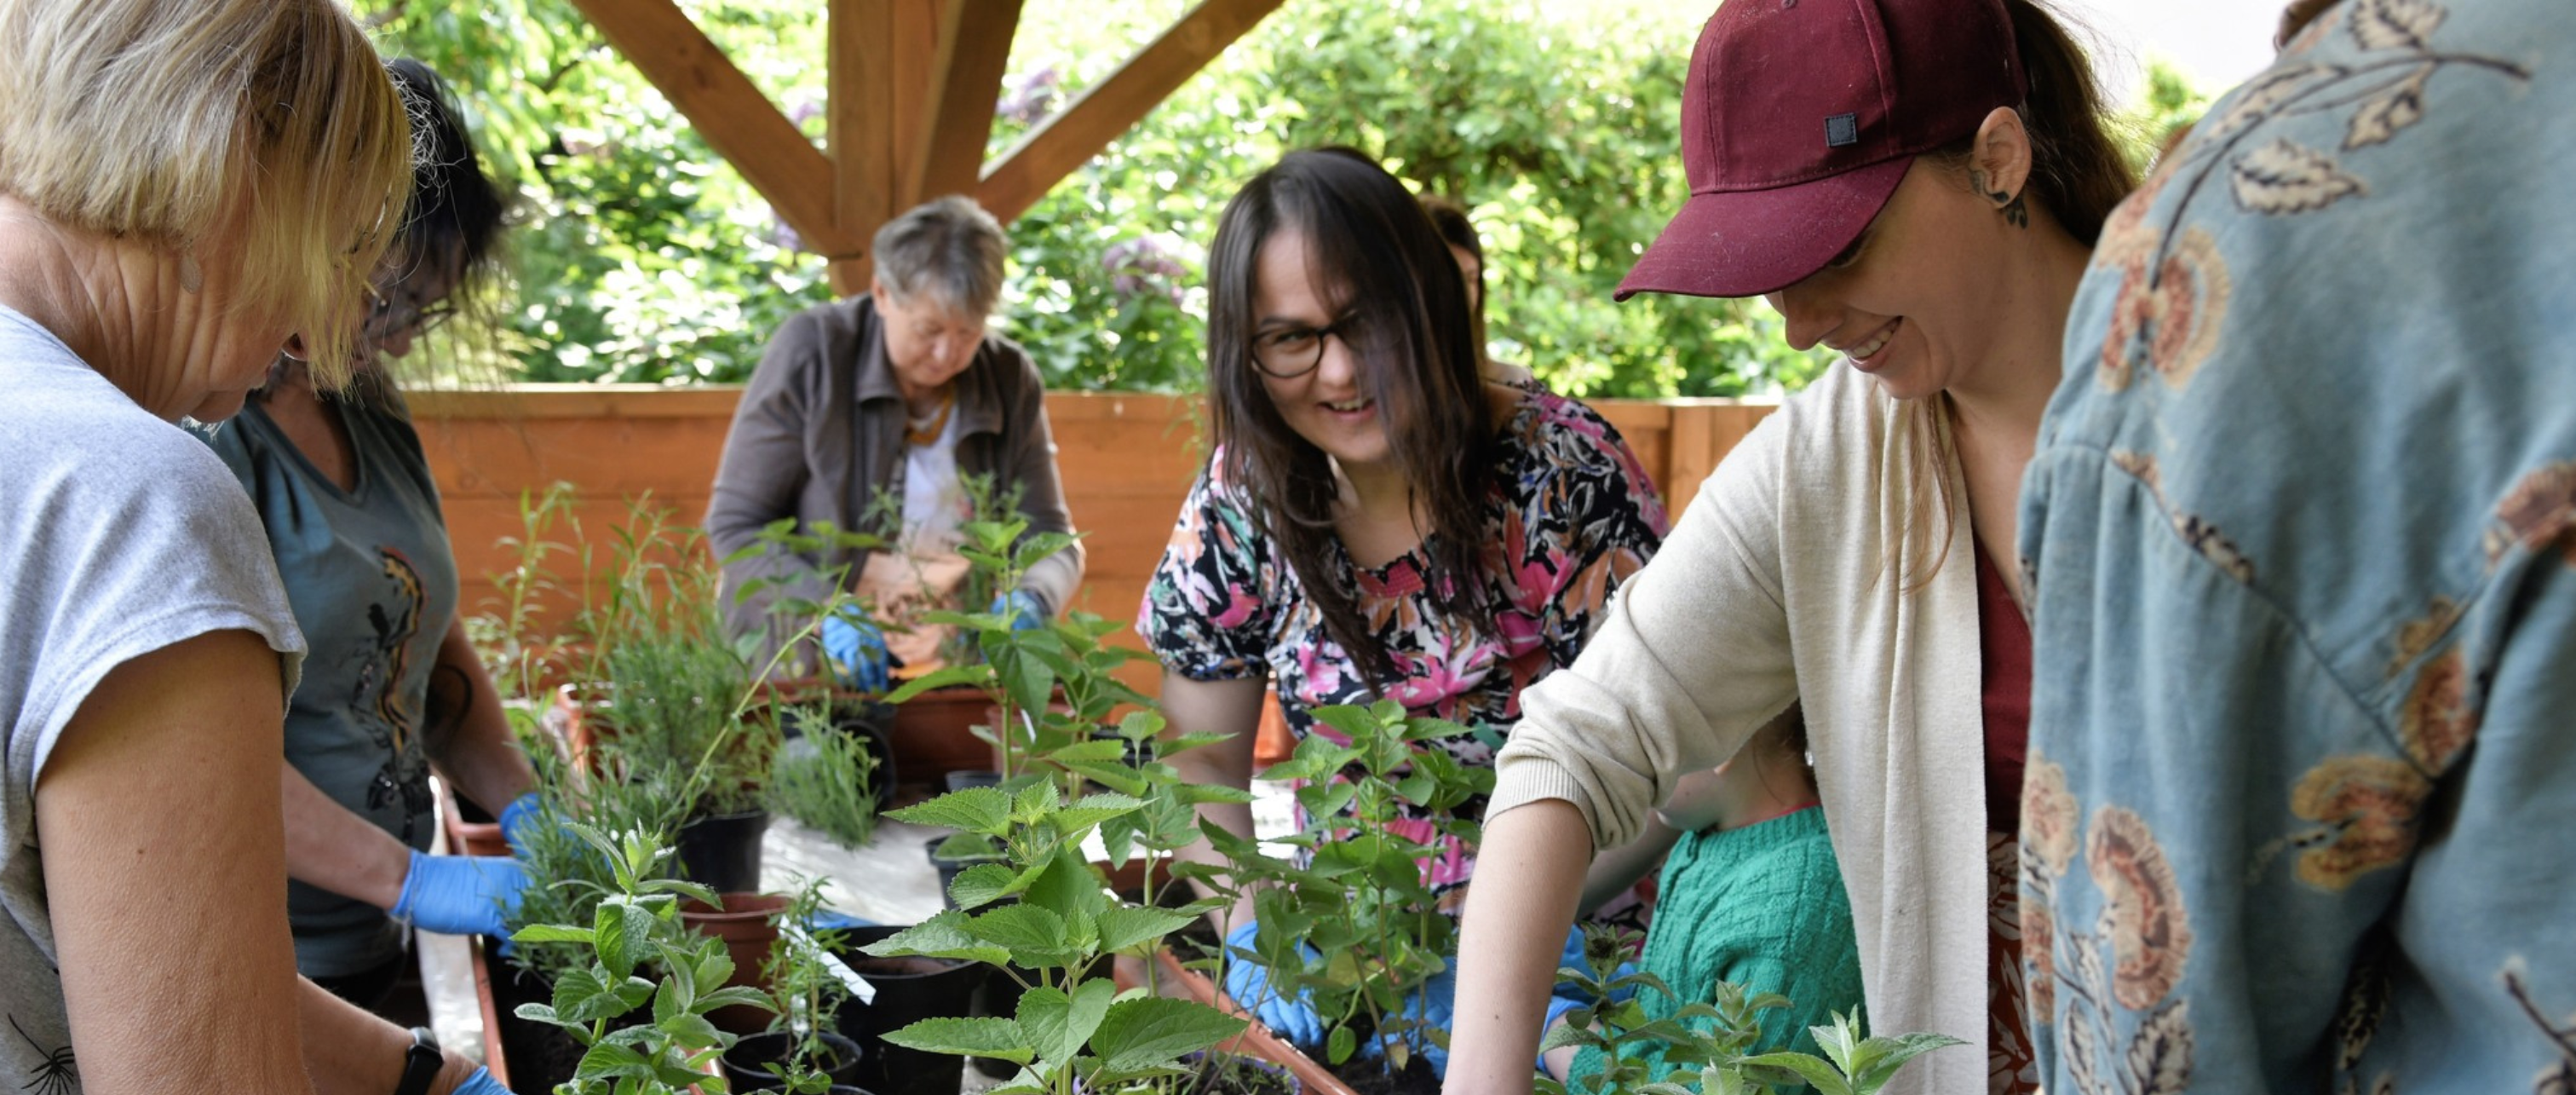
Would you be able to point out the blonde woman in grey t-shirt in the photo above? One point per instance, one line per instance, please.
(146, 648)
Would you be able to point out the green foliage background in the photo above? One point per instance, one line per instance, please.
(643, 257)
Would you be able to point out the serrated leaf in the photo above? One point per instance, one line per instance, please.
(1122, 927)
(1339, 1046)
(2282, 178)
(941, 936)
(621, 934)
(538, 1013)
(1090, 752)
(691, 1029)
(985, 1037)
(985, 810)
(1153, 1032)
(2389, 111)
(610, 1059)
(1091, 810)
(1192, 794)
(736, 996)
(1035, 937)
(983, 884)
(1057, 1025)
(2395, 24)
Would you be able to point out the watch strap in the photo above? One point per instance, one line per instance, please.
(420, 1063)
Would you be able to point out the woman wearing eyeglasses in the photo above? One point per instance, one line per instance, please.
(392, 688)
(1376, 520)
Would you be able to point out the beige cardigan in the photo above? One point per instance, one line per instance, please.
(1774, 589)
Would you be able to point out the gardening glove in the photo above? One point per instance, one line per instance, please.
(1248, 982)
(480, 1083)
(515, 819)
(461, 894)
(1023, 607)
(857, 651)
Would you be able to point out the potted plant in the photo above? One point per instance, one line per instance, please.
(802, 1050)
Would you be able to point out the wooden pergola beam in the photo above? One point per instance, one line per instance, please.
(1079, 132)
(975, 51)
(736, 120)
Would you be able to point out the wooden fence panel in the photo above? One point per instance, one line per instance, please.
(1127, 461)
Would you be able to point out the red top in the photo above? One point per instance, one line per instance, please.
(2003, 643)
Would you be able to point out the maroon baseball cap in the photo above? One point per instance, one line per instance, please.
(1800, 117)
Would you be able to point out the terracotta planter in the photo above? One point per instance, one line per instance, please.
(468, 837)
(748, 925)
(934, 734)
(1256, 1040)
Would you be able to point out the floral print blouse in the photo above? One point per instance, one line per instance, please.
(1573, 515)
(2300, 551)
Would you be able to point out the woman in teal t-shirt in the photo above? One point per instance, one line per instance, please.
(392, 688)
(1750, 894)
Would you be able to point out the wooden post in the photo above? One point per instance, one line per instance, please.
(1053, 150)
(973, 54)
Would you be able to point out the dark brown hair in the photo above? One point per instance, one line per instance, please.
(2078, 175)
(1450, 217)
(1375, 251)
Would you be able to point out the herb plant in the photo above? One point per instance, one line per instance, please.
(636, 930)
(1355, 926)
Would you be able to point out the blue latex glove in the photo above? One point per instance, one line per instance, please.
(1557, 1006)
(858, 653)
(460, 894)
(1248, 982)
(481, 1083)
(522, 812)
(1022, 607)
(1429, 1006)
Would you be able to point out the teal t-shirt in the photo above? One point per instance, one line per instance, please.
(1762, 907)
(374, 588)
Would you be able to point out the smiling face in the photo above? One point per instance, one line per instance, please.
(1332, 406)
(1915, 301)
(927, 341)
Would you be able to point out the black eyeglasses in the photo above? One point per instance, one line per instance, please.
(401, 312)
(1286, 353)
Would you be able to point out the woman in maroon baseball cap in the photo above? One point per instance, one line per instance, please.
(1917, 184)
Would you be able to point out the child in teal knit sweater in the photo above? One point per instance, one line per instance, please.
(1750, 894)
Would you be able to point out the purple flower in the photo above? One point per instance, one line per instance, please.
(1154, 263)
(1031, 96)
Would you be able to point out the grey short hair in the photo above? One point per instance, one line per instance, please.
(949, 248)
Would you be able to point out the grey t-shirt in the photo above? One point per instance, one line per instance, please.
(119, 535)
(374, 589)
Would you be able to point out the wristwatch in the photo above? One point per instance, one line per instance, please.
(420, 1063)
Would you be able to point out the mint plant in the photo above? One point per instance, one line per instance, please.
(1073, 1032)
(1355, 926)
(635, 930)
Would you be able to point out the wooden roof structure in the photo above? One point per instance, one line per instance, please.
(913, 85)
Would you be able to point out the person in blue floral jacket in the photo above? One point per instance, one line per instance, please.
(2299, 544)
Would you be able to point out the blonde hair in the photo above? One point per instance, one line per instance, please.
(265, 127)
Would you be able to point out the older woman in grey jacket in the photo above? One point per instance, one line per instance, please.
(872, 414)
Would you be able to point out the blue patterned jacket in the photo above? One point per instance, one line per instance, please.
(2300, 550)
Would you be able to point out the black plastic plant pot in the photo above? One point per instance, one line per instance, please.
(959, 781)
(722, 851)
(842, 1060)
(949, 869)
(908, 990)
(869, 724)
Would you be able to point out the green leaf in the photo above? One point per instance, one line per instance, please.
(1034, 936)
(985, 810)
(941, 678)
(1339, 1047)
(539, 1013)
(608, 1059)
(1091, 810)
(1891, 1054)
(941, 936)
(1818, 1072)
(1057, 1025)
(1153, 1032)
(551, 933)
(983, 884)
(738, 995)
(1123, 927)
(622, 933)
(986, 1037)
